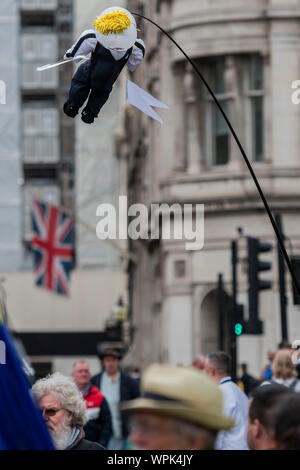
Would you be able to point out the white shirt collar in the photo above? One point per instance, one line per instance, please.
(225, 379)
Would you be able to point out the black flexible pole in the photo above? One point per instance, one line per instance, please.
(233, 310)
(281, 244)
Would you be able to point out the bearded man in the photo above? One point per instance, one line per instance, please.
(64, 412)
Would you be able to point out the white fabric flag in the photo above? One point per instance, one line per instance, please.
(61, 62)
(143, 100)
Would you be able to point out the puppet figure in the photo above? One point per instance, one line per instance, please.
(113, 44)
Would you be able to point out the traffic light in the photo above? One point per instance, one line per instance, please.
(255, 266)
(238, 329)
(239, 324)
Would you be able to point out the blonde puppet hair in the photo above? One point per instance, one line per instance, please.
(116, 22)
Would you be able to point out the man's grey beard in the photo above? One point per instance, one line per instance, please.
(61, 435)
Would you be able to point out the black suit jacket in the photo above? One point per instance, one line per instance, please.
(129, 389)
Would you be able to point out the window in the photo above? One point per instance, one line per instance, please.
(255, 94)
(40, 130)
(180, 268)
(40, 150)
(220, 137)
(36, 50)
(37, 46)
(39, 4)
(224, 75)
(218, 132)
(32, 79)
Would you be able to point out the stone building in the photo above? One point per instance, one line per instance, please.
(249, 54)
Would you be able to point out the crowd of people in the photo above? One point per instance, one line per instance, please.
(174, 407)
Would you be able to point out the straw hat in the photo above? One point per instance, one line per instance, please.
(183, 393)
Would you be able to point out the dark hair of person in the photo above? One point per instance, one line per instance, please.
(264, 400)
(287, 423)
(221, 361)
(284, 344)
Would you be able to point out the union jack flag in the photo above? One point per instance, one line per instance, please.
(52, 245)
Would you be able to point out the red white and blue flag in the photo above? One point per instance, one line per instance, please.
(52, 244)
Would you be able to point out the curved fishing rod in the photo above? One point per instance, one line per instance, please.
(272, 220)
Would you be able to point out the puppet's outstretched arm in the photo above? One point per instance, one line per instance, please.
(137, 55)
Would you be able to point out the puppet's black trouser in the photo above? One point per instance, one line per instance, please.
(81, 90)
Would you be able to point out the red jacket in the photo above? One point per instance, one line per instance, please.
(93, 399)
(99, 425)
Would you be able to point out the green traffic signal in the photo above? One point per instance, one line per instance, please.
(238, 329)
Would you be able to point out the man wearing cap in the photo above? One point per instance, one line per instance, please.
(180, 409)
(116, 386)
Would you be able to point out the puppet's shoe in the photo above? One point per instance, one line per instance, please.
(87, 116)
(70, 110)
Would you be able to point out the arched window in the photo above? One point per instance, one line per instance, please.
(214, 326)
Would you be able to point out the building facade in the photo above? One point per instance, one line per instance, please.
(248, 52)
(48, 156)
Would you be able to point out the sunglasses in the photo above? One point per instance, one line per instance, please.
(50, 411)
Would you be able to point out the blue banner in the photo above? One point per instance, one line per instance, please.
(21, 423)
